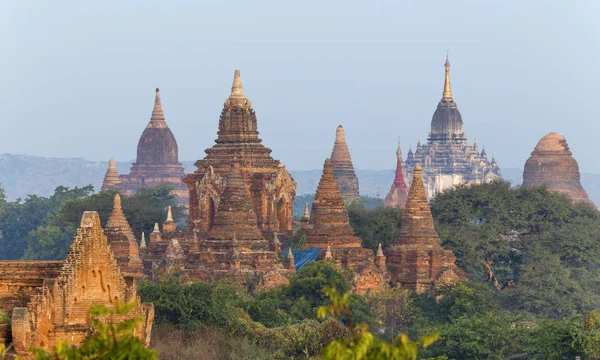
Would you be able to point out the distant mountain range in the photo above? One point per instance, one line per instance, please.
(22, 175)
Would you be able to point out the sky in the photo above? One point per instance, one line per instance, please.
(77, 78)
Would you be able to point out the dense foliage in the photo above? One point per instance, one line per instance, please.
(539, 251)
(40, 228)
(379, 225)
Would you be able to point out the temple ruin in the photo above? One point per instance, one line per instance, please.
(417, 260)
(49, 300)
(157, 161)
(343, 170)
(552, 165)
(272, 189)
(330, 231)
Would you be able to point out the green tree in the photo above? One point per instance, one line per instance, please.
(311, 279)
(51, 239)
(21, 217)
(380, 225)
(395, 309)
(363, 345)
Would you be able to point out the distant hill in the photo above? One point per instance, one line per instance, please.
(22, 175)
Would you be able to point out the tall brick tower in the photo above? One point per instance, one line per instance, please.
(272, 189)
(417, 260)
(157, 160)
(343, 170)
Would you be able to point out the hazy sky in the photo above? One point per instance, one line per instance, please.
(77, 78)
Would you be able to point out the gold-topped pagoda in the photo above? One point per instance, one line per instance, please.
(447, 159)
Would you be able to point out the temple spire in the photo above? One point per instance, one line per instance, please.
(236, 88)
(158, 116)
(399, 151)
(111, 178)
(169, 214)
(447, 95)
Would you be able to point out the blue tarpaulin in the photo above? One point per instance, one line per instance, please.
(301, 257)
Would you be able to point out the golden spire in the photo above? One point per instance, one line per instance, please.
(447, 95)
(236, 88)
(156, 229)
(169, 215)
(399, 152)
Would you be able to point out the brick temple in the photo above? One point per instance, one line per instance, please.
(157, 161)
(552, 165)
(343, 170)
(49, 300)
(398, 193)
(329, 229)
(447, 160)
(417, 260)
(271, 187)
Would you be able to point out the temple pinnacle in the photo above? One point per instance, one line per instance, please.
(399, 152)
(143, 241)
(236, 88)
(169, 214)
(306, 214)
(158, 116)
(379, 250)
(339, 134)
(447, 95)
(112, 163)
(156, 229)
(117, 202)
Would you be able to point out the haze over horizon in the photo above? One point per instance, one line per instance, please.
(78, 78)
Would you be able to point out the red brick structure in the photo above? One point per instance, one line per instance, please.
(58, 310)
(343, 170)
(552, 165)
(157, 160)
(417, 260)
(122, 242)
(271, 187)
(398, 193)
(331, 232)
(235, 246)
(111, 179)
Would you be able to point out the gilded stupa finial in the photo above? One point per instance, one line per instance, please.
(399, 152)
(447, 95)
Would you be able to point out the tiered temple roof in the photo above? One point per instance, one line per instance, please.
(417, 260)
(343, 170)
(235, 247)
(271, 186)
(90, 275)
(552, 165)
(330, 231)
(111, 179)
(122, 242)
(157, 160)
(447, 159)
(328, 217)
